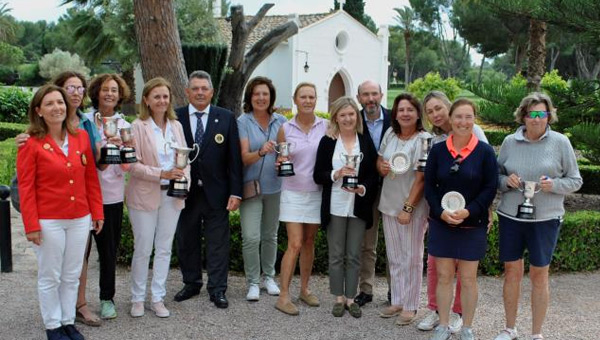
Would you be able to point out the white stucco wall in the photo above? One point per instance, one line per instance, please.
(278, 67)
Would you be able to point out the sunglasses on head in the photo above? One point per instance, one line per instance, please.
(456, 164)
(537, 114)
(72, 88)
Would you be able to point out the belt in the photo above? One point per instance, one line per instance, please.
(164, 187)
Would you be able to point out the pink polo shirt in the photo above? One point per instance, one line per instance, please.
(303, 154)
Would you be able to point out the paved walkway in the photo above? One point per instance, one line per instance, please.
(574, 311)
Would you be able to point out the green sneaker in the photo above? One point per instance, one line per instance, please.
(107, 309)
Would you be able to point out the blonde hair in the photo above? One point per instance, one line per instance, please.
(532, 99)
(441, 96)
(150, 85)
(337, 106)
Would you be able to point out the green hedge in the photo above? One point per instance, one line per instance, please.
(578, 247)
(591, 179)
(10, 130)
(496, 137)
(8, 160)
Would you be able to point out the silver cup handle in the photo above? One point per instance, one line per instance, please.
(197, 149)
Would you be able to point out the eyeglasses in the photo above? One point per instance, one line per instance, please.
(72, 88)
(455, 165)
(537, 114)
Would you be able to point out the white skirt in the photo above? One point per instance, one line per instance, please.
(300, 206)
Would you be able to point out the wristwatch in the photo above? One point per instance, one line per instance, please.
(409, 208)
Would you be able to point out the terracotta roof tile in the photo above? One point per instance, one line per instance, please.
(266, 25)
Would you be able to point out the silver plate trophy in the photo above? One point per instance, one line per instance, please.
(453, 201)
(399, 163)
(286, 168)
(527, 209)
(109, 154)
(127, 152)
(179, 187)
(352, 161)
(425, 148)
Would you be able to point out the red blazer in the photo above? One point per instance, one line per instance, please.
(55, 186)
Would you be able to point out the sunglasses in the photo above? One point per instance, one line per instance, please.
(72, 88)
(537, 114)
(455, 165)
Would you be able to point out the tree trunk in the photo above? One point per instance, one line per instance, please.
(128, 106)
(407, 61)
(243, 64)
(536, 54)
(554, 53)
(160, 46)
(520, 53)
(480, 70)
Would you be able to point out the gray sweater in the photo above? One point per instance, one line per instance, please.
(553, 156)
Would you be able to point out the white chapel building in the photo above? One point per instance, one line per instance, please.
(332, 50)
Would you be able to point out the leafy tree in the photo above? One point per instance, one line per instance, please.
(356, 8)
(7, 23)
(59, 61)
(10, 55)
(433, 81)
(193, 30)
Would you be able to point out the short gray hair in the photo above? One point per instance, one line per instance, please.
(532, 99)
(198, 74)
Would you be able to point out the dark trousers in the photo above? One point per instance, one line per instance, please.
(197, 219)
(107, 242)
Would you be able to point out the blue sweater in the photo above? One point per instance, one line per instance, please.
(476, 180)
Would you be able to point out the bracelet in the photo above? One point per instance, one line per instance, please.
(409, 208)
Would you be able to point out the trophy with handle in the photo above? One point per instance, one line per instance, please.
(127, 152)
(109, 154)
(286, 168)
(179, 187)
(425, 148)
(527, 209)
(352, 161)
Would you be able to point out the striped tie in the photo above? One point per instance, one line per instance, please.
(199, 129)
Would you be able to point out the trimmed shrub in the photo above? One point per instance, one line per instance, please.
(591, 179)
(586, 138)
(577, 249)
(211, 58)
(10, 130)
(14, 102)
(496, 137)
(433, 81)
(8, 161)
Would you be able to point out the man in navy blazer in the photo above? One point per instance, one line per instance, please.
(215, 190)
(376, 119)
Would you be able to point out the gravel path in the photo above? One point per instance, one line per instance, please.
(574, 309)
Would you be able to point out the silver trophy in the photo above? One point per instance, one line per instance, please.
(425, 148)
(527, 209)
(109, 154)
(286, 168)
(127, 152)
(179, 187)
(352, 161)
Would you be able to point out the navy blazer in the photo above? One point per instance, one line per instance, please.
(386, 123)
(219, 164)
(367, 176)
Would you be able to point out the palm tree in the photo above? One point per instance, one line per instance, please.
(7, 25)
(406, 19)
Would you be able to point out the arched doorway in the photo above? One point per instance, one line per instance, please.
(337, 88)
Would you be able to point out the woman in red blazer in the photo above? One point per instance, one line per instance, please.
(60, 198)
(154, 214)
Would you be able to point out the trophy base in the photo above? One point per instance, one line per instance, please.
(350, 182)
(286, 170)
(178, 188)
(526, 212)
(128, 156)
(422, 164)
(110, 155)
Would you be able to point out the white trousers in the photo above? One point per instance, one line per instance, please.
(60, 257)
(156, 228)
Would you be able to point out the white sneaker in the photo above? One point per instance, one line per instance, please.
(429, 322)
(507, 334)
(466, 334)
(271, 286)
(160, 310)
(137, 309)
(253, 292)
(455, 323)
(441, 333)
